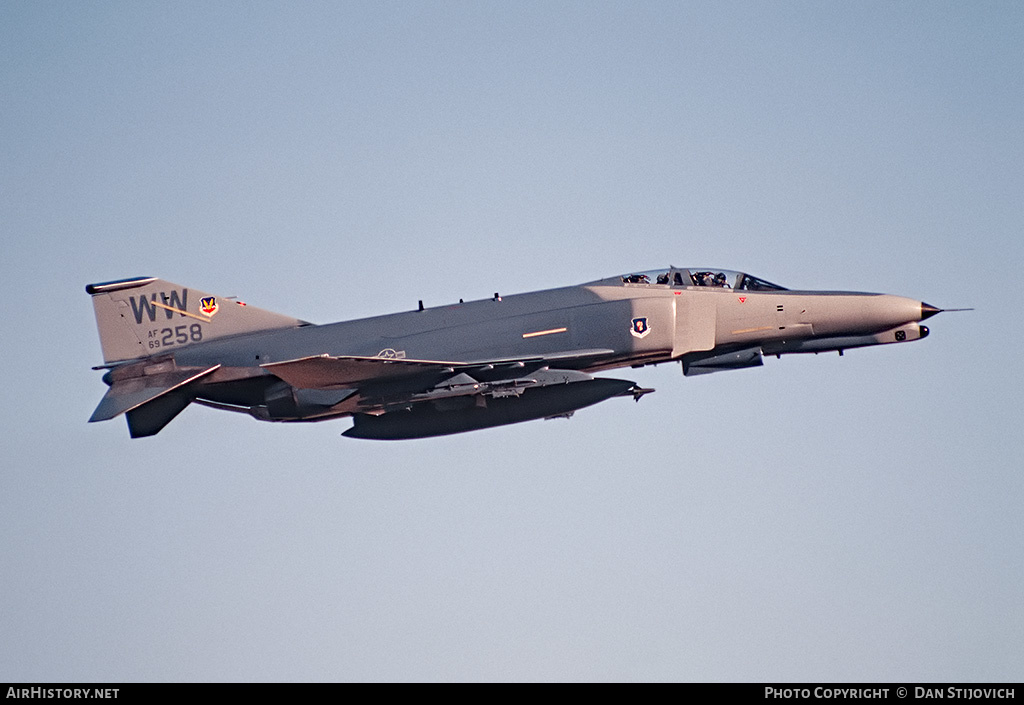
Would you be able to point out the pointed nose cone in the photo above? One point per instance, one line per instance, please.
(927, 311)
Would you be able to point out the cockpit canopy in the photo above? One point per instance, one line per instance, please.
(699, 276)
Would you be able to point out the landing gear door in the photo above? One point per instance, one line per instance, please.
(695, 322)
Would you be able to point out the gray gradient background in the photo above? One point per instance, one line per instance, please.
(854, 518)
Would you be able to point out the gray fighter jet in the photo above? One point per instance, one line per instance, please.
(466, 366)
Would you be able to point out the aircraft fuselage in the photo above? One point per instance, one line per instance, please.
(467, 365)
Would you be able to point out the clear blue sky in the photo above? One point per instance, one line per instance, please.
(819, 518)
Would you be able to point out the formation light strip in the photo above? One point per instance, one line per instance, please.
(204, 319)
(537, 334)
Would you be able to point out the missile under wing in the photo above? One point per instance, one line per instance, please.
(466, 366)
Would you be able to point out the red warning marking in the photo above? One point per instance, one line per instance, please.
(677, 293)
(743, 299)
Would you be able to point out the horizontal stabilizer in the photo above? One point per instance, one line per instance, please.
(148, 419)
(126, 395)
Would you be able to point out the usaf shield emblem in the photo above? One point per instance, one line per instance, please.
(208, 305)
(639, 327)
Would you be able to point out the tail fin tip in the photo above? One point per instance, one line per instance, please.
(103, 287)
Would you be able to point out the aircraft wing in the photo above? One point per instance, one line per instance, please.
(327, 372)
(352, 372)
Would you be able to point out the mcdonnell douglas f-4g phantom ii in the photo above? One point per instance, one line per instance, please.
(467, 366)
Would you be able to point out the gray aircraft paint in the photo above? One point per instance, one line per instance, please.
(464, 366)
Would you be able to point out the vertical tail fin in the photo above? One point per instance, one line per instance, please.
(147, 316)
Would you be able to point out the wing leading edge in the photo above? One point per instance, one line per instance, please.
(351, 371)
